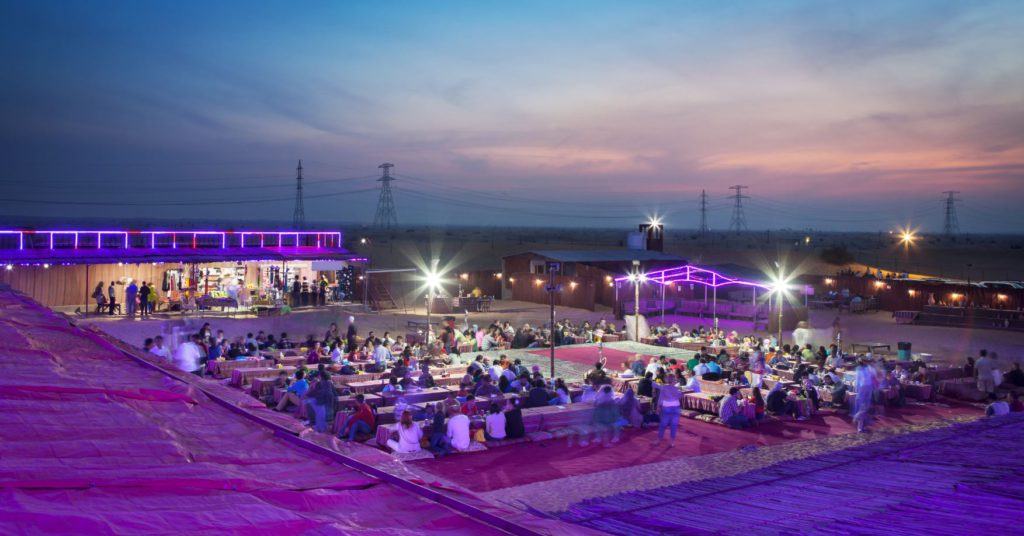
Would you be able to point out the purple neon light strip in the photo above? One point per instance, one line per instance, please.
(333, 238)
(660, 277)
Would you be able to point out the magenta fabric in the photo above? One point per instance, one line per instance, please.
(503, 467)
(94, 442)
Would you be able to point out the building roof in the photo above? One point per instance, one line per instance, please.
(737, 271)
(604, 255)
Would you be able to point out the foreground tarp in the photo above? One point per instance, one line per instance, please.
(94, 442)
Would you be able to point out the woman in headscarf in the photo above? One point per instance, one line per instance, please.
(864, 384)
(629, 408)
(606, 416)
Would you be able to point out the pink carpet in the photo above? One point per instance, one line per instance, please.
(532, 462)
(95, 443)
(588, 355)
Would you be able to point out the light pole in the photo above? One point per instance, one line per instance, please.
(780, 289)
(553, 268)
(636, 277)
(433, 281)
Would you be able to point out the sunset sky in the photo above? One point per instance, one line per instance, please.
(837, 115)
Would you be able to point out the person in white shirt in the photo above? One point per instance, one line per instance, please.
(495, 424)
(159, 348)
(653, 367)
(997, 407)
(692, 383)
(458, 430)
(495, 371)
(702, 368)
(337, 356)
(409, 435)
(381, 355)
(188, 356)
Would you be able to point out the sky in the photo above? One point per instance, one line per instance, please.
(836, 115)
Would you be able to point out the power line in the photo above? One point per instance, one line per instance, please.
(151, 203)
(703, 229)
(386, 218)
(299, 216)
(951, 226)
(739, 220)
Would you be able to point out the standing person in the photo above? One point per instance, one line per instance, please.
(757, 369)
(983, 368)
(320, 402)
(144, 300)
(350, 336)
(668, 409)
(131, 293)
(111, 298)
(865, 389)
(97, 294)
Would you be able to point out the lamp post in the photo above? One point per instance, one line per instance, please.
(636, 277)
(780, 289)
(433, 280)
(553, 268)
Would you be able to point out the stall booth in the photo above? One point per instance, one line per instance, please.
(189, 271)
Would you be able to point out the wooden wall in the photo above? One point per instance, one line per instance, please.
(66, 285)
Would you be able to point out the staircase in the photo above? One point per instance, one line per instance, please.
(380, 297)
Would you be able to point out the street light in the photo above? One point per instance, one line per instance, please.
(636, 277)
(779, 287)
(432, 279)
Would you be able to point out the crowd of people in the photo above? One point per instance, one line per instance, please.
(493, 391)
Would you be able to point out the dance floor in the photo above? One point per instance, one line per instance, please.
(532, 462)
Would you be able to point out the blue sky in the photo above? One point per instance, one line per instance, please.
(836, 114)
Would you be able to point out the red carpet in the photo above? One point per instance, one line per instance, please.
(588, 355)
(532, 462)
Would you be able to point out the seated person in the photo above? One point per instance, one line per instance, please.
(1016, 406)
(295, 392)
(392, 385)
(539, 395)
(458, 431)
(729, 411)
(469, 407)
(486, 388)
(777, 402)
(494, 424)
(692, 383)
(997, 406)
(838, 391)
(645, 387)
(1015, 377)
(359, 422)
(409, 435)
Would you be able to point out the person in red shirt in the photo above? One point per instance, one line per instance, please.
(1016, 406)
(469, 408)
(360, 422)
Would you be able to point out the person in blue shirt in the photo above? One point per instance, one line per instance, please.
(295, 392)
(714, 367)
